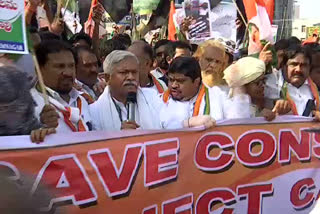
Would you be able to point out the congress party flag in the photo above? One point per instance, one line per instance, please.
(260, 28)
(13, 37)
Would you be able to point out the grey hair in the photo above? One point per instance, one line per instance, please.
(114, 58)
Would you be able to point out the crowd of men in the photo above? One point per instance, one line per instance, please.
(172, 84)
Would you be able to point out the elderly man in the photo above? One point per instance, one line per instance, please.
(188, 100)
(57, 64)
(110, 112)
(211, 56)
(144, 53)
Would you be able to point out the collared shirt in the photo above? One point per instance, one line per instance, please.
(56, 100)
(86, 89)
(300, 96)
(161, 78)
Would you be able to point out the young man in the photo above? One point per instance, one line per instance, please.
(109, 113)
(163, 52)
(57, 65)
(187, 98)
(86, 73)
(143, 51)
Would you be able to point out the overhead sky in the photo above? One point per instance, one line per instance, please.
(309, 8)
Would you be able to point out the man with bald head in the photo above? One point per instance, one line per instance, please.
(143, 51)
(110, 111)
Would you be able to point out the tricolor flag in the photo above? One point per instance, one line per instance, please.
(258, 14)
(171, 26)
(89, 24)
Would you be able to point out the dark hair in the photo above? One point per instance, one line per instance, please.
(123, 38)
(33, 30)
(51, 46)
(294, 50)
(182, 45)
(147, 49)
(109, 45)
(160, 43)
(187, 66)
(194, 47)
(46, 35)
(80, 36)
(314, 47)
(77, 50)
(170, 47)
(282, 44)
(294, 41)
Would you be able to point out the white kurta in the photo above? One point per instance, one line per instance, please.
(86, 89)
(173, 113)
(106, 116)
(158, 75)
(57, 101)
(300, 96)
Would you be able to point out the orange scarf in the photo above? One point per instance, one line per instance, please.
(202, 93)
(157, 84)
(314, 91)
(67, 114)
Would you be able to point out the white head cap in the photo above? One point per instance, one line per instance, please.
(114, 58)
(244, 71)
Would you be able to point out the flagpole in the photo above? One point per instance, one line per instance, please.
(65, 8)
(239, 11)
(40, 80)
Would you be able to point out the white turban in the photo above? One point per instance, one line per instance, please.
(114, 58)
(244, 71)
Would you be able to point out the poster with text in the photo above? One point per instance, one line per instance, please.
(12, 27)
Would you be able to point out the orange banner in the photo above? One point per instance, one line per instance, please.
(271, 168)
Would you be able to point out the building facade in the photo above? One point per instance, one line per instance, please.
(283, 17)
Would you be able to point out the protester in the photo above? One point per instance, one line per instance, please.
(300, 91)
(211, 56)
(143, 51)
(315, 66)
(163, 49)
(246, 79)
(57, 64)
(86, 73)
(109, 113)
(17, 106)
(276, 79)
(182, 49)
(188, 98)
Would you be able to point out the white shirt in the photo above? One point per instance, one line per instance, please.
(157, 75)
(86, 89)
(173, 113)
(106, 116)
(300, 96)
(57, 101)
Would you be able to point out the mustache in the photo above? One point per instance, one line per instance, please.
(131, 83)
